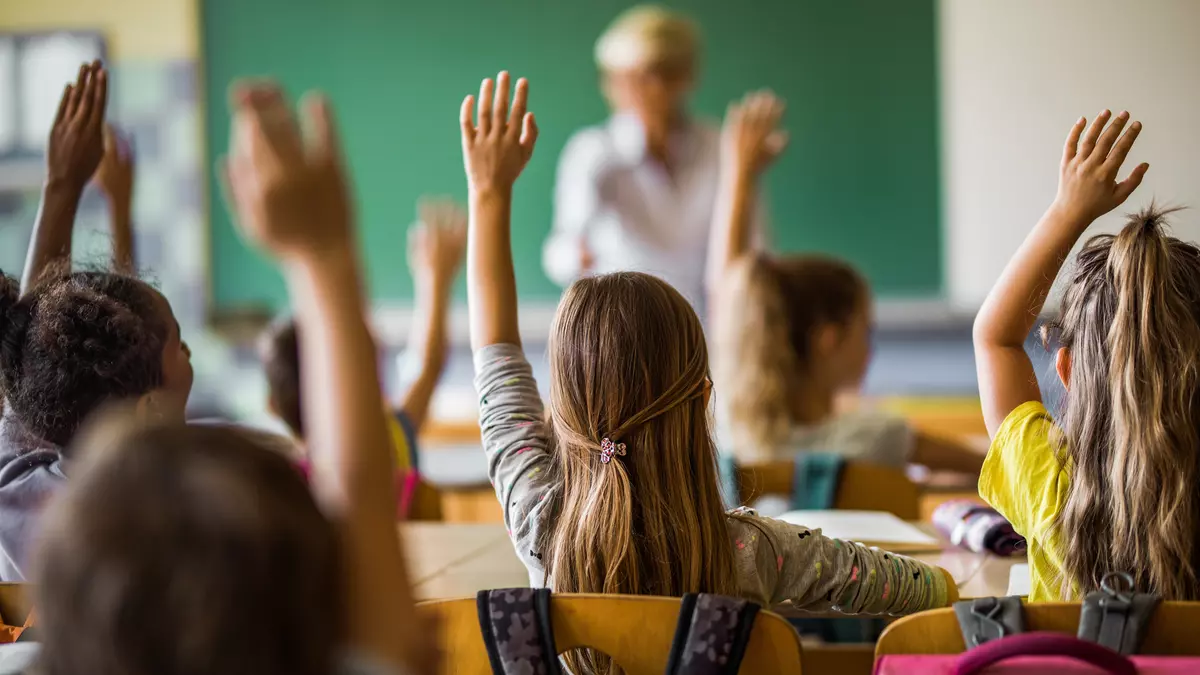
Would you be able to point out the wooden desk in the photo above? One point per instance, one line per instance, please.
(457, 560)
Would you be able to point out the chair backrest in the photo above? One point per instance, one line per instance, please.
(636, 631)
(15, 599)
(1172, 631)
(862, 486)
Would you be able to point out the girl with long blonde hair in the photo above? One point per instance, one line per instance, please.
(1110, 485)
(793, 332)
(616, 489)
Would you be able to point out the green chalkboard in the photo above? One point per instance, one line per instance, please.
(860, 180)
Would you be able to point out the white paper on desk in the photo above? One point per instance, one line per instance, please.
(1019, 582)
(871, 527)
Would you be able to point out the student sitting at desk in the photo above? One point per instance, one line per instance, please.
(616, 489)
(793, 332)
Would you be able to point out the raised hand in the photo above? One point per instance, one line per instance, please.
(76, 141)
(288, 191)
(751, 137)
(115, 173)
(497, 146)
(1087, 183)
(436, 243)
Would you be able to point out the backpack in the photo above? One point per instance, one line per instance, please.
(710, 636)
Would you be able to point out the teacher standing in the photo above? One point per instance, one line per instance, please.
(637, 192)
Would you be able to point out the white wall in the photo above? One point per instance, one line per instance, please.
(1016, 74)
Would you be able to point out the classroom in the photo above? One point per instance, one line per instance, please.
(391, 338)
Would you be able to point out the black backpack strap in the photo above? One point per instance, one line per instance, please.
(1116, 616)
(985, 619)
(517, 632)
(711, 635)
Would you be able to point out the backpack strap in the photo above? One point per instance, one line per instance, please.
(985, 619)
(711, 635)
(517, 632)
(1116, 616)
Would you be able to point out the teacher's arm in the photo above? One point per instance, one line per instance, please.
(566, 255)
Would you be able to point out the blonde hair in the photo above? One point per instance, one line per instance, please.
(628, 363)
(648, 35)
(769, 310)
(1130, 429)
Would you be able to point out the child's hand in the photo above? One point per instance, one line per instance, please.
(77, 137)
(436, 243)
(497, 147)
(1087, 187)
(751, 137)
(115, 173)
(288, 192)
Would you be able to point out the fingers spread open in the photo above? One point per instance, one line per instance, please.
(487, 90)
(500, 108)
(1121, 150)
(1071, 147)
(465, 121)
(1127, 186)
(1093, 133)
(1106, 140)
(516, 117)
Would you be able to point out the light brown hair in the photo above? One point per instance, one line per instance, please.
(186, 550)
(768, 312)
(1130, 428)
(628, 362)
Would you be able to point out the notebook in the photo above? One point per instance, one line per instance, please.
(873, 528)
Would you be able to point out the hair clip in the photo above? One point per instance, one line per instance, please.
(608, 449)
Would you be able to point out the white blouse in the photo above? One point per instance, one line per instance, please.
(631, 213)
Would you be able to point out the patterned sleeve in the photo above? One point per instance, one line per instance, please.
(814, 572)
(514, 440)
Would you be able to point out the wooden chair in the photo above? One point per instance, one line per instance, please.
(15, 599)
(862, 486)
(1172, 631)
(635, 630)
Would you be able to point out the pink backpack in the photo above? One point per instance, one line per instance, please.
(1037, 654)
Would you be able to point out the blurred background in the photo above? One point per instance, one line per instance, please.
(926, 137)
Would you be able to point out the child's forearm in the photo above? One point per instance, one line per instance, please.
(732, 220)
(122, 236)
(52, 230)
(339, 358)
(429, 337)
(491, 286)
(1012, 307)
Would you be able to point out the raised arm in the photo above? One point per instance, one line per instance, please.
(73, 152)
(291, 198)
(750, 141)
(435, 252)
(1087, 189)
(496, 147)
(115, 179)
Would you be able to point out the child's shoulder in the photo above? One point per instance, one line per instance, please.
(866, 434)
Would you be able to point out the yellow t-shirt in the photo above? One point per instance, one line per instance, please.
(400, 443)
(1025, 480)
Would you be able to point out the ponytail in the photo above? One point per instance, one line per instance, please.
(1132, 426)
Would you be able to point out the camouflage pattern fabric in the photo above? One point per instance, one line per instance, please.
(712, 636)
(513, 622)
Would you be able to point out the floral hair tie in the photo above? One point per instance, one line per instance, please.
(608, 449)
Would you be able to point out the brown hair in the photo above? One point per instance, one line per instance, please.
(280, 354)
(768, 310)
(77, 341)
(628, 362)
(185, 550)
(1130, 428)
